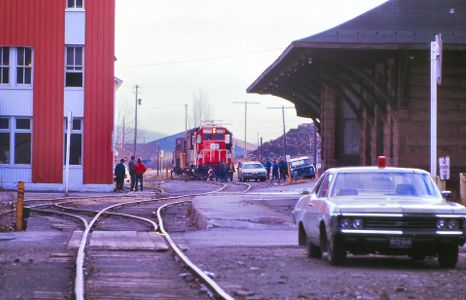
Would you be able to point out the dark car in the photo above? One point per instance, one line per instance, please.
(301, 167)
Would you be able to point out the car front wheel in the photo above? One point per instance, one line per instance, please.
(336, 254)
(448, 256)
(313, 251)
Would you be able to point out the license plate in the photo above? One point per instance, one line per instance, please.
(401, 242)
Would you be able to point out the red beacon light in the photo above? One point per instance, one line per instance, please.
(381, 162)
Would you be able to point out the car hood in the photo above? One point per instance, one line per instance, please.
(254, 171)
(389, 204)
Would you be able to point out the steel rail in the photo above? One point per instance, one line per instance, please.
(79, 280)
(110, 214)
(212, 285)
(84, 221)
(88, 197)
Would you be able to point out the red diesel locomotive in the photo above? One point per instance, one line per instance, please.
(201, 148)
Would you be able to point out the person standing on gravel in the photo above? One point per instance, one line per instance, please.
(120, 173)
(275, 171)
(132, 173)
(268, 166)
(139, 169)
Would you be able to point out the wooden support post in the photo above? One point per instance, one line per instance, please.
(20, 207)
(463, 188)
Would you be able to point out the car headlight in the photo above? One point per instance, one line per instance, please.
(345, 223)
(453, 224)
(441, 224)
(357, 223)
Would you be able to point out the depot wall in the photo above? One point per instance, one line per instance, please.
(401, 131)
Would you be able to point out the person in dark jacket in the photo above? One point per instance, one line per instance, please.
(283, 169)
(221, 171)
(140, 169)
(268, 166)
(120, 172)
(132, 173)
(275, 171)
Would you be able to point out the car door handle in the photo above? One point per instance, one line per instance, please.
(310, 204)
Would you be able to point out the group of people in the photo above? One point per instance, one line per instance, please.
(136, 170)
(223, 173)
(279, 169)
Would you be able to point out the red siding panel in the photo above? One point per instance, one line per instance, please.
(41, 25)
(99, 91)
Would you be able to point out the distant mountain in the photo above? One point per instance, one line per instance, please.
(144, 135)
(147, 151)
(299, 142)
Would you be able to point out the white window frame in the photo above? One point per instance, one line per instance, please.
(74, 68)
(24, 66)
(3, 65)
(13, 70)
(13, 131)
(74, 5)
(74, 131)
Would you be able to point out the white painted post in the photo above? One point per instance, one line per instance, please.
(435, 78)
(68, 140)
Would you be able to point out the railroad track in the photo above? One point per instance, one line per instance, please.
(99, 273)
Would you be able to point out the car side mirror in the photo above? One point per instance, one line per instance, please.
(446, 194)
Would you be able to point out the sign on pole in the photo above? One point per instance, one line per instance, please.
(435, 78)
(444, 167)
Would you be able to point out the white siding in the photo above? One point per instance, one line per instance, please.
(76, 175)
(16, 102)
(75, 27)
(74, 102)
(11, 175)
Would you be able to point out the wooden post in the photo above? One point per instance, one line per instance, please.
(463, 188)
(20, 207)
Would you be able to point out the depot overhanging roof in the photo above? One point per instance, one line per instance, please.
(394, 25)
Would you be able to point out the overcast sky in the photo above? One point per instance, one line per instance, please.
(174, 48)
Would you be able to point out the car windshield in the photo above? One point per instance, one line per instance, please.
(301, 162)
(384, 183)
(252, 166)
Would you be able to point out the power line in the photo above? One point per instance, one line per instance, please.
(198, 60)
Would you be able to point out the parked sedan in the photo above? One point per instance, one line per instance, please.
(251, 170)
(390, 211)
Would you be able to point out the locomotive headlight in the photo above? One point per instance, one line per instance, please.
(453, 224)
(357, 223)
(441, 224)
(345, 223)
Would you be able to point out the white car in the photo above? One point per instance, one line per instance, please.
(390, 211)
(251, 170)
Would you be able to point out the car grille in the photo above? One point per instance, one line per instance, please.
(405, 223)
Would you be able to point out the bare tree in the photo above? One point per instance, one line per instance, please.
(200, 108)
(124, 127)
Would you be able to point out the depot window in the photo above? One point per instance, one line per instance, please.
(75, 142)
(74, 66)
(15, 140)
(74, 4)
(4, 65)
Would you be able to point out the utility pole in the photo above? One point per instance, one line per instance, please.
(138, 102)
(284, 129)
(185, 118)
(261, 149)
(123, 135)
(245, 122)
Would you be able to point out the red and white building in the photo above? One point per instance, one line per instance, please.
(56, 56)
